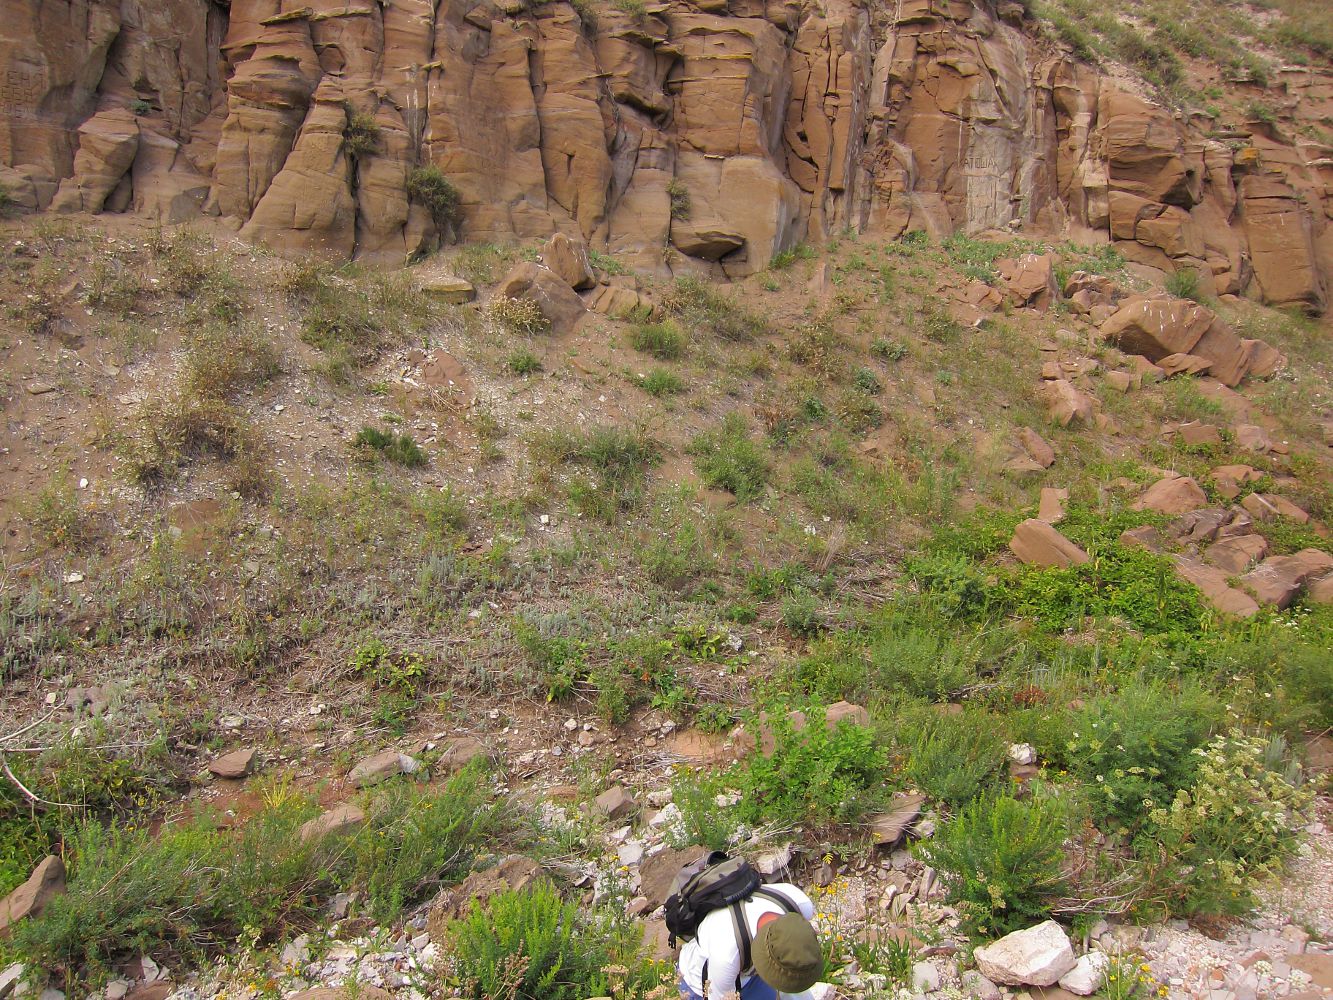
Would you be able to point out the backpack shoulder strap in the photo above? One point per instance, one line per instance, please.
(779, 897)
(742, 940)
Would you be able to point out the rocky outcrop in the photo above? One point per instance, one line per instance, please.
(700, 137)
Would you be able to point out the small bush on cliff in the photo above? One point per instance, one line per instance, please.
(1184, 284)
(523, 317)
(429, 187)
(361, 135)
(399, 448)
(676, 190)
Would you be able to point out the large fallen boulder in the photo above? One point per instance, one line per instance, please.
(1038, 956)
(1278, 579)
(1212, 583)
(1157, 328)
(559, 303)
(1175, 495)
(46, 882)
(1036, 543)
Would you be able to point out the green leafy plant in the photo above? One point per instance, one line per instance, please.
(1001, 861)
(1229, 831)
(402, 449)
(1184, 284)
(957, 759)
(523, 362)
(660, 382)
(728, 458)
(530, 944)
(677, 193)
(664, 340)
(818, 775)
(375, 661)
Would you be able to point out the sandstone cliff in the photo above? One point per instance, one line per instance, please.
(705, 135)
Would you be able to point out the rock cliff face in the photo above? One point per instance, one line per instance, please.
(706, 135)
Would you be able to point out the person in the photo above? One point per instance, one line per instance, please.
(784, 953)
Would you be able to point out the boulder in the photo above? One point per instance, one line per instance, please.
(1157, 328)
(447, 288)
(1200, 525)
(1227, 355)
(1212, 583)
(1086, 978)
(1145, 370)
(1272, 506)
(569, 259)
(1183, 364)
(559, 303)
(1228, 479)
(1279, 579)
(359, 991)
(1037, 956)
(1030, 280)
(1036, 447)
(659, 870)
(1254, 438)
(1120, 381)
(616, 802)
(1236, 555)
(1197, 434)
(1036, 543)
(513, 872)
(888, 828)
(1051, 507)
(381, 767)
(461, 752)
(1066, 404)
(236, 764)
(1320, 591)
(46, 882)
(339, 821)
(1177, 495)
(845, 711)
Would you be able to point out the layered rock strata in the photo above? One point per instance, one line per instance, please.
(706, 136)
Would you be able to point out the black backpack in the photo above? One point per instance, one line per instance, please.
(714, 882)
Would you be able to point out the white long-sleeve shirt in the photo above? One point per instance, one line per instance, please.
(716, 942)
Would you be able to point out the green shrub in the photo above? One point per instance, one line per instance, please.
(957, 759)
(660, 382)
(523, 362)
(1229, 832)
(429, 187)
(523, 317)
(361, 135)
(703, 307)
(1001, 861)
(728, 458)
(818, 775)
(802, 614)
(384, 668)
(1132, 749)
(663, 340)
(530, 944)
(888, 350)
(703, 820)
(618, 459)
(58, 517)
(1184, 284)
(192, 888)
(915, 658)
(401, 449)
(956, 585)
(677, 192)
(423, 838)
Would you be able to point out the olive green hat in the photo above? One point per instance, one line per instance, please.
(786, 954)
